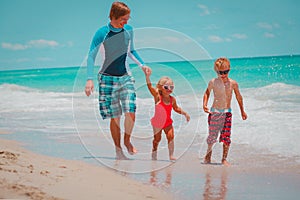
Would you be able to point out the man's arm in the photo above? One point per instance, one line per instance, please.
(94, 48)
(132, 52)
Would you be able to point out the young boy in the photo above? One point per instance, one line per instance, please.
(219, 118)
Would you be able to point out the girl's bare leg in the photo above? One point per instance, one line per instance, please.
(155, 142)
(170, 137)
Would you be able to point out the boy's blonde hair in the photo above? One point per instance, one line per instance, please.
(221, 63)
(163, 80)
(118, 9)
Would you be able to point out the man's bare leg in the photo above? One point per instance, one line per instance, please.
(128, 124)
(225, 153)
(207, 159)
(116, 136)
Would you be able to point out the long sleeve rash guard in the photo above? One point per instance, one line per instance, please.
(116, 45)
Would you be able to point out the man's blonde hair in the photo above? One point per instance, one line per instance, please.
(118, 9)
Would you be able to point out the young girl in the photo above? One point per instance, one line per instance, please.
(164, 103)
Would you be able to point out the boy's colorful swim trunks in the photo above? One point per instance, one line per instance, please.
(219, 122)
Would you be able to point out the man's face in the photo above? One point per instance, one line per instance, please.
(121, 21)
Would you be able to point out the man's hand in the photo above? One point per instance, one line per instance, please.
(89, 87)
(147, 70)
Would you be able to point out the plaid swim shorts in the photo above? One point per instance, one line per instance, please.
(116, 95)
(219, 122)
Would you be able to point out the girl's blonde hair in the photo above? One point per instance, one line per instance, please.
(163, 80)
(118, 9)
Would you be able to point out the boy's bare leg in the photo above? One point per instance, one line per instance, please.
(116, 136)
(207, 159)
(225, 153)
(128, 124)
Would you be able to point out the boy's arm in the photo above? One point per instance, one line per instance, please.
(206, 97)
(179, 110)
(239, 99)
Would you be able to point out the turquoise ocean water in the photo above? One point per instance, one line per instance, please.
(48, 111)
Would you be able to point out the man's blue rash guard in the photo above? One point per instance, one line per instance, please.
(116, 45)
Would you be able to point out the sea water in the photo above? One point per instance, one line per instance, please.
(48, 110)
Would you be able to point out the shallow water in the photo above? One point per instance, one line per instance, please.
(48, 111)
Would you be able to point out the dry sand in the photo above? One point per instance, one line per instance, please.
(25, 175)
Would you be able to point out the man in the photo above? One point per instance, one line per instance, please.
(116, 85)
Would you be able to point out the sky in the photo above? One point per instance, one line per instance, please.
(57, 33)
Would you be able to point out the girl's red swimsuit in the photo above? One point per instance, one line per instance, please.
(162, 115)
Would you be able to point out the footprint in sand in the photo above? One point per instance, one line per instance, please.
(9, 155)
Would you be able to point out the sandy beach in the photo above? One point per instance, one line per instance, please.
(26, 175)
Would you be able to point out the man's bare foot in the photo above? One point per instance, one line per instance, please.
(172, 158)
(131, 150)
(225, 163)
(120, 155)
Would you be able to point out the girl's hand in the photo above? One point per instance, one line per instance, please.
(147, 70)
(187, 116)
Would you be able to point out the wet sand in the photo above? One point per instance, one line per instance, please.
(26, 175)
(252, 175)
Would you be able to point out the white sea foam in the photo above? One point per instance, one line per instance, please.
(272, 124)
(273, 119)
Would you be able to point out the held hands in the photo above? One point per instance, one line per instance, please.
(147, 70)
(89, 87)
